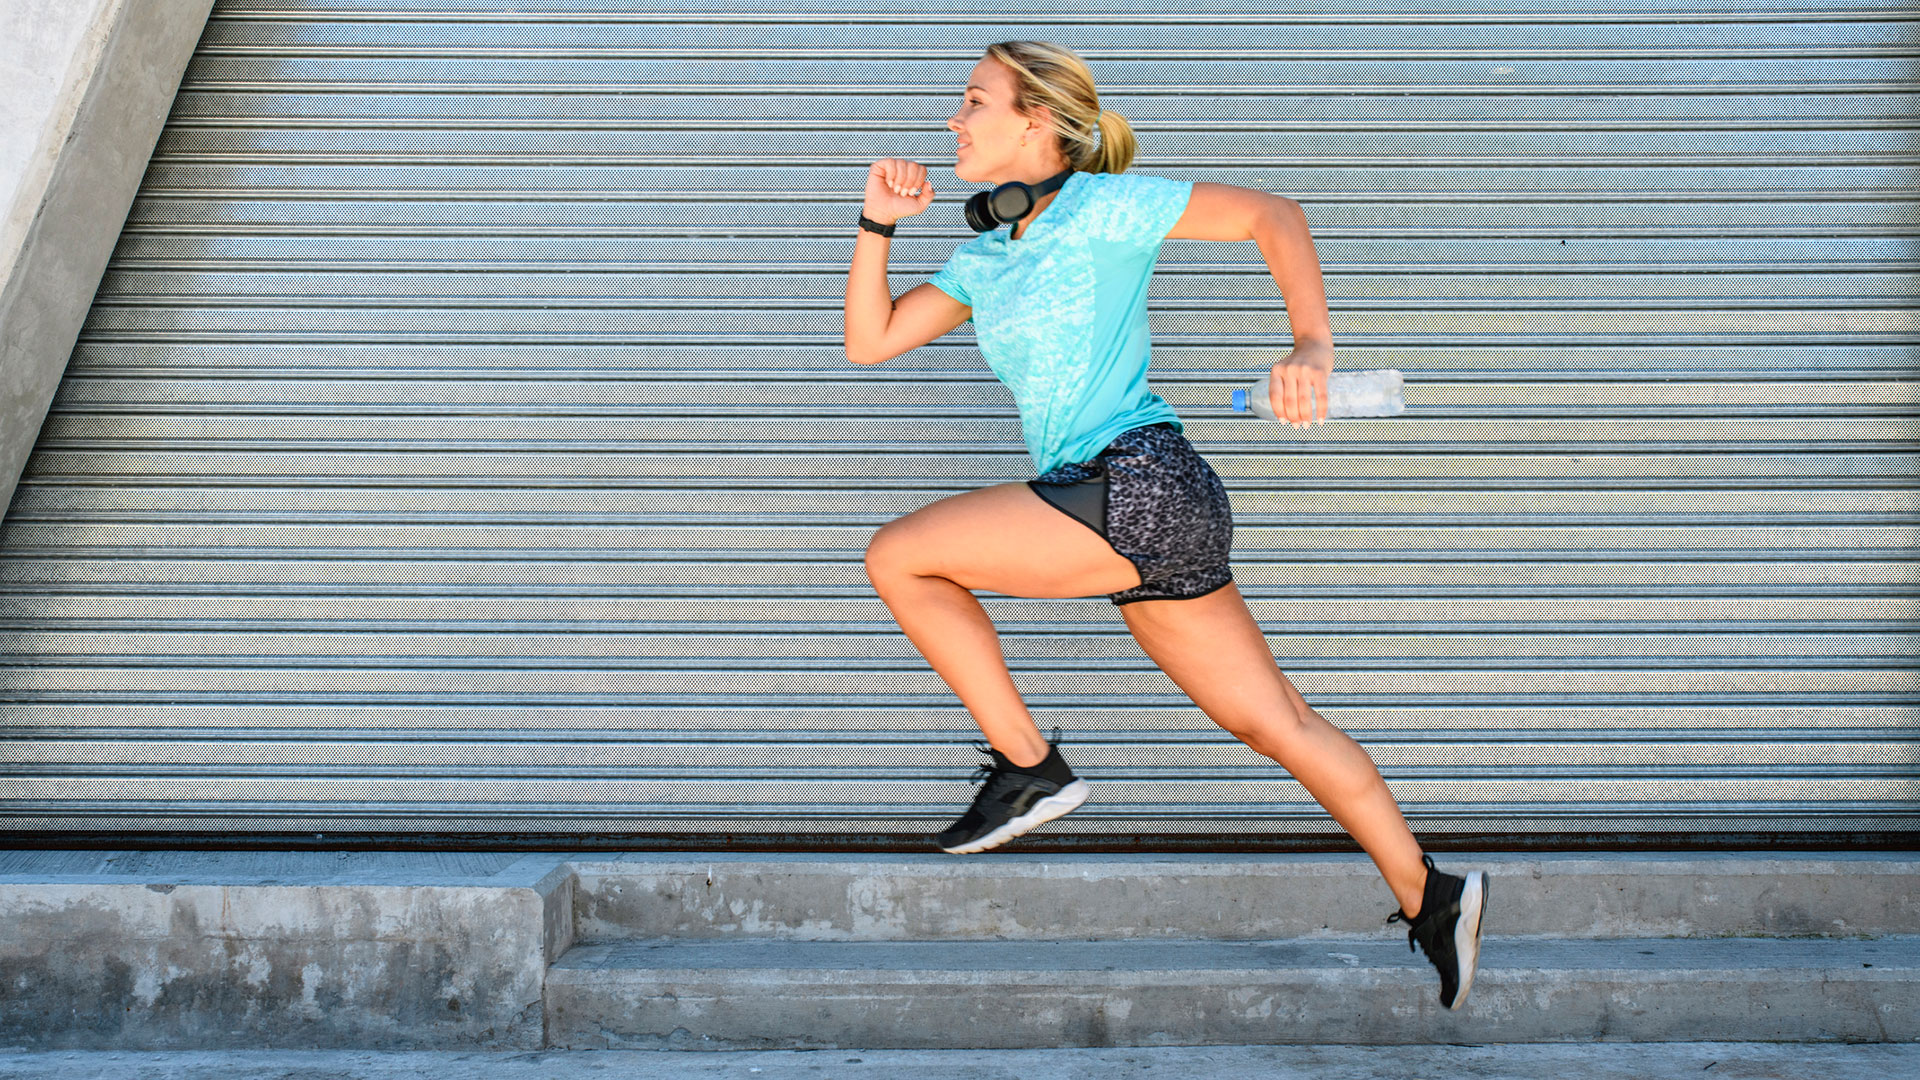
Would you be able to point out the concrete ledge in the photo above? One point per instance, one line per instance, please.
(1228, 897)
(317, 950)
(84, 99)
(765, 995)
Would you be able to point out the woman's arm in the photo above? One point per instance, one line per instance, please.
(1279, 226)
(879, 327)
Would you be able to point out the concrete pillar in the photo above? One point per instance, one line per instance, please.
(85, 86)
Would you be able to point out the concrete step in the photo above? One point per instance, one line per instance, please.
(1501, 1061)
(204, 950)
(182, 950)
(1000, 895)
(763, 994)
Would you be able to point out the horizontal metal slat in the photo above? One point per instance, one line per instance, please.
(1173, 362)
(822, 796)
(856, 725)
(485, 324)
(757, 11)
(856, 826)
(1243, 469)
(195, 644)
(857, 394)
(1256, 572)
(1177, 287)
(1891, 614)
(770, 689)
(1331, 217)
(881, 33)
(912, 105)
(819, 256)
(558, 507)
(1128, 71)
(634, 761)
(1583, 543)
(841, 182)
(1540, 149)
(879, 435)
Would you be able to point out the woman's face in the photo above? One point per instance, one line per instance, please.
(989, 130)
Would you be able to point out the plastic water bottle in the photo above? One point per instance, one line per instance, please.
(1349, 393)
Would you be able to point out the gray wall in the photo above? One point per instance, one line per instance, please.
(82, 101)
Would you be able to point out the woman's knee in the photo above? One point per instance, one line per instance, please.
(1274, 733)
(889, 552)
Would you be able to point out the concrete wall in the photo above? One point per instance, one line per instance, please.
(85, 86)
(255, 949)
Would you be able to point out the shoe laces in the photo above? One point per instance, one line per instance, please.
(990, 770)
(996, 778)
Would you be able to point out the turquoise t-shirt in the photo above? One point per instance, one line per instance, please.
(1061, 313)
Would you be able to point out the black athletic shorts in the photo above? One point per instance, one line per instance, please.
(1157, 502)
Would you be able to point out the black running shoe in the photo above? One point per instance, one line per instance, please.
(1448, 929)
(1012, 802)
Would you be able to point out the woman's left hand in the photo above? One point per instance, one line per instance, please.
(1298, 385)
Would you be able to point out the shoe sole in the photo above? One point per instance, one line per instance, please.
(1042, 812)
(1466, 933)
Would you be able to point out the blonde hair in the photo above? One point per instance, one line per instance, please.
(1091, 138)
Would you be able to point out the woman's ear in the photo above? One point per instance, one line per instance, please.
(1040, 122)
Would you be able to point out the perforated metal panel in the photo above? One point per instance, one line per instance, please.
(461, 441)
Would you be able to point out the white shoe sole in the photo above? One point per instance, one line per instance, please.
(1466, 932)
(1039, 814)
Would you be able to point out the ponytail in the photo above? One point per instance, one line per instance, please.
(1117, 144)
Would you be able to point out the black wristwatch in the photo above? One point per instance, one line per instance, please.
(871, 225)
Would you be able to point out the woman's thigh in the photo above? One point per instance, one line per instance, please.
(1004, 539)
(1212, 648)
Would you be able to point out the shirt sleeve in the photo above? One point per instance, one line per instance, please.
(1136, 209)
(947, 280)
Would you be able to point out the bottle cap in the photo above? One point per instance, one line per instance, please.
(1240, 401)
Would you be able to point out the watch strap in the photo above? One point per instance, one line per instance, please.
(871, 225)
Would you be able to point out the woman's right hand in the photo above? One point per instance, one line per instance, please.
(889, 182)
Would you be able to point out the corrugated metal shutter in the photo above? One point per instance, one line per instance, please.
(461, 441)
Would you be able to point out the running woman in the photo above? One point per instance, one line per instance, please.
(1122, 504)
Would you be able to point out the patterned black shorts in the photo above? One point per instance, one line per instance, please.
(1158, 502)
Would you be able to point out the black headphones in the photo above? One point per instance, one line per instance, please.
(1009, 202)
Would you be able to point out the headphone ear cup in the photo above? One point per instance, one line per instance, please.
(1011, 201)
(979, 216)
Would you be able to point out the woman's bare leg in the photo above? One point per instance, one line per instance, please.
(1212, 648)
(1008, 540)
(1005, 539)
